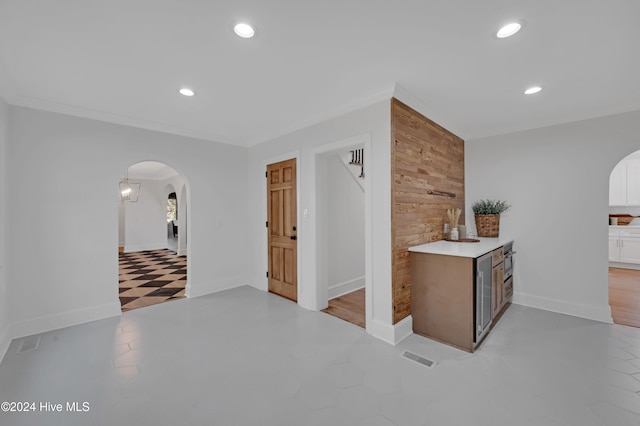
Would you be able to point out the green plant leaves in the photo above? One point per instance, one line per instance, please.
(490, 207)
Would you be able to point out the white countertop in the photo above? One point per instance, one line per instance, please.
(623, 227)
(449, 248)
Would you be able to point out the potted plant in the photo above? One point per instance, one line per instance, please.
(487, 215)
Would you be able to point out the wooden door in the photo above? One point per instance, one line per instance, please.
(282, 229)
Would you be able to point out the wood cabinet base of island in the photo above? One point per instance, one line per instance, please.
(442, 299)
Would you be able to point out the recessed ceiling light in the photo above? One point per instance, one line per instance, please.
(244, 30)
(532, 90)
(509, 30)
(186, 92)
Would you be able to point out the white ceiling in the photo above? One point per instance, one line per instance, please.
(123, 61)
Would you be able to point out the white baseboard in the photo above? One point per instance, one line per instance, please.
(259, 282)
(624, 265)
(198, 290)
(64, 319)
(182, 252)
(5, 341)
(392, 334)
(602, 314)
(346, 287)
(56, 321)
(144, 247)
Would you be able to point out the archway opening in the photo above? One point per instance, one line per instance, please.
(172, 221)
(151, 267)
(624, 241)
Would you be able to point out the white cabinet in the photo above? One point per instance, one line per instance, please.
(614, 245)
(630, 245)
(624, 184)
(624, 245)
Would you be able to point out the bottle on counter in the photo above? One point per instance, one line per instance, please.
(446, 231)
(454, 234)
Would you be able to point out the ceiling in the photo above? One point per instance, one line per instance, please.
(123, 61)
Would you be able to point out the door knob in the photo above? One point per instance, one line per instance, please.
(293, 237)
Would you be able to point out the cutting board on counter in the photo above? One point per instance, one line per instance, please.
(623, 219)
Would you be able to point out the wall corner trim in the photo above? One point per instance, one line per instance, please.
(197, 289)
(392, 334)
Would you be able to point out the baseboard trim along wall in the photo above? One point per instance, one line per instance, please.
(5, 341)
(56, 321)
(346, 287)
(562, 307)
(392, 334)
(624, 265)
(197, 290)
(145, 247)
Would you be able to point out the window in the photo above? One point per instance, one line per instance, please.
(172, 207)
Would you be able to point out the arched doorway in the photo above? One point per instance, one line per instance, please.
(624, 241)
(172, 219)
(151, 270)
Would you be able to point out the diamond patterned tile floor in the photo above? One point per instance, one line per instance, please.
(151, 277)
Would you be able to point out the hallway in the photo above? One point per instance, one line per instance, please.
(150, 277)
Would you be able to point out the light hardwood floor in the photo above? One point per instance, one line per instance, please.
(349, 307)
(624, 296)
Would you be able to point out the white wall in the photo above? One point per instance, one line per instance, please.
(4, 293)
(145, 221)
(371, 123)
(557, 179)
(178, 184)
(121, 223)
(345, 228)
(63, 212)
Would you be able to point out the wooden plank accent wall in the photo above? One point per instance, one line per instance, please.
(427, 171)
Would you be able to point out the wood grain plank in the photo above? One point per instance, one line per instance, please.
(349, 307)
(624, 296)
(427, 178)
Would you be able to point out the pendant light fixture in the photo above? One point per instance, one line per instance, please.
(129, 191)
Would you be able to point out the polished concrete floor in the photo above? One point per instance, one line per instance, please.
(246, 357)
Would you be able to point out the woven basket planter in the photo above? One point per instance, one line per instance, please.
(488, 225)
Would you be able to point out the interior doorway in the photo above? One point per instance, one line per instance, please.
(340, 200)
(151, 269)
(624, 241)
(172, 221)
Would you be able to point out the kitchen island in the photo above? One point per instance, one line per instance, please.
(457, 289)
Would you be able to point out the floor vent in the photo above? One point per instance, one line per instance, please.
(419, 359)
(28, 344)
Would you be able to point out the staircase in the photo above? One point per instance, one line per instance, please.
(355, 158)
